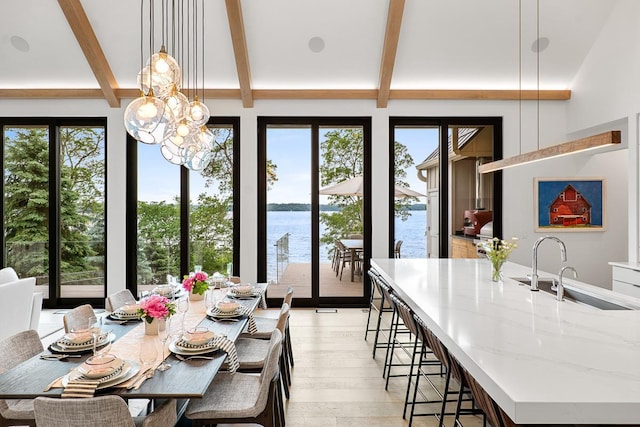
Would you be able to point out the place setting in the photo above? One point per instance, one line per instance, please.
(201, 343)
(81, 342)
(127, 313)
(96, 373)
(231, 311)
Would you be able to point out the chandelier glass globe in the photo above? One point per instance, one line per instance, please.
(178, 103)
(148, 120)
(198, 112)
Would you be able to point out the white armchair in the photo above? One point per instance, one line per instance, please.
(16, 306)
(8, 274)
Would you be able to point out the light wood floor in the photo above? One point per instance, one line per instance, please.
(336, 383)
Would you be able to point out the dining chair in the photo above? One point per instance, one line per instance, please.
(13, 351)
(266, 326)
(78, 318)
(344, 258)
(242, 398)
(101, 411)
(118, 299)
(396, 249)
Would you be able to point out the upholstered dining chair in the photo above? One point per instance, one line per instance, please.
(101, 411)
(266, 325)
(78, 318)
(118, 299)
(243, 398)
(13, 351)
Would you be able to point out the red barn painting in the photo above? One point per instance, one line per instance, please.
(570, 209)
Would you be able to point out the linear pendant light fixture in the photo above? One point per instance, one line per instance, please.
(571, 147)
(579, 145)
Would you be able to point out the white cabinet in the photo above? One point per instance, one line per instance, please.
(626, 278)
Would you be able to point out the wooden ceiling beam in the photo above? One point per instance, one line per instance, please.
(239, 41)
(391, 37)
(476, 94)
(81, 27)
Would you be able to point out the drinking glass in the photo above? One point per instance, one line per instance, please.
(94, 324)
(229, 271)
(164, 336)
(183, 307)
(211, 298)
(148, 353)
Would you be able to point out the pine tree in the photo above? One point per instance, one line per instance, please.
(26, 204)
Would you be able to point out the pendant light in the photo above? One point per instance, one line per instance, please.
(571, 147)
(163, 114)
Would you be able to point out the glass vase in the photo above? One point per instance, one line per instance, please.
(496, 271)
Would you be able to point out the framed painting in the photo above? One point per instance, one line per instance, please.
(569, 204)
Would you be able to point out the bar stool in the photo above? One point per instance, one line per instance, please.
(453, 370)
(383, 307)
(374, 301)
(407, 316)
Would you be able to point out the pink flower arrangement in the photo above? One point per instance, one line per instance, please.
(197, 283)
(156, 307)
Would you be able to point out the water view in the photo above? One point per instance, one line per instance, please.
(298, 225)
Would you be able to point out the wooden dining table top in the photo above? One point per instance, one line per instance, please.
(185, 379)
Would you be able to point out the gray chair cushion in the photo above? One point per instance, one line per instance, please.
(238, 395)
(13, 351)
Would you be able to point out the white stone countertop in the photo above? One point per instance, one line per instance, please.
(626, 264)
(543, 361)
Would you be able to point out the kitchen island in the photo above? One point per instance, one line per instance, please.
(543, 361)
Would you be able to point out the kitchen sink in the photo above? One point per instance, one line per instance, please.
(574, 294)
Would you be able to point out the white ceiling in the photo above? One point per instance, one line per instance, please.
(443, 44)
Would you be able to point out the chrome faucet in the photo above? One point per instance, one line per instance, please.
(560, 291)
(534, 258)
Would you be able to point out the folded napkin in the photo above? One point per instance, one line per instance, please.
(251, 327)
(263, 299)
(80, 388)
(228, 346)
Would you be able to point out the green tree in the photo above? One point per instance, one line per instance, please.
(27, 207)
(341, 152)
(158, 240)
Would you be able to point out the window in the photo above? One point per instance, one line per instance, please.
(182, 218)
(54, 205)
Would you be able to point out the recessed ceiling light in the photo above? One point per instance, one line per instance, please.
(540, 44)
(20, 44)
(316, 44)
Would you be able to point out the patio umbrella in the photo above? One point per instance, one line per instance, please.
(353, 187)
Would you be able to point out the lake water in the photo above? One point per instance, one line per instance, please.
(298, 224)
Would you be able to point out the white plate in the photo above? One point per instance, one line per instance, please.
(58, 348)
(124, 316)
(129, 370)
(251, 295)
(189, 352)
(214, 312)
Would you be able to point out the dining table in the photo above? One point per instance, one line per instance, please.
(354, 246)
(186, 379)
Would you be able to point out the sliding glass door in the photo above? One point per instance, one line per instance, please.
(315, 225)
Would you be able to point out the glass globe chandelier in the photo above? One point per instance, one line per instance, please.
(163, 114)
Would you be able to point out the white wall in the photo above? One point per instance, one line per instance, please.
(603, 98)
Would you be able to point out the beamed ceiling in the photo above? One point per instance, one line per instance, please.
(310, 49)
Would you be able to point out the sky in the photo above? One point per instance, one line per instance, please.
(290, 149)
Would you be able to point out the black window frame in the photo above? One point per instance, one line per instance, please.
(132, 206)
(443, 123)
(54, 123)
